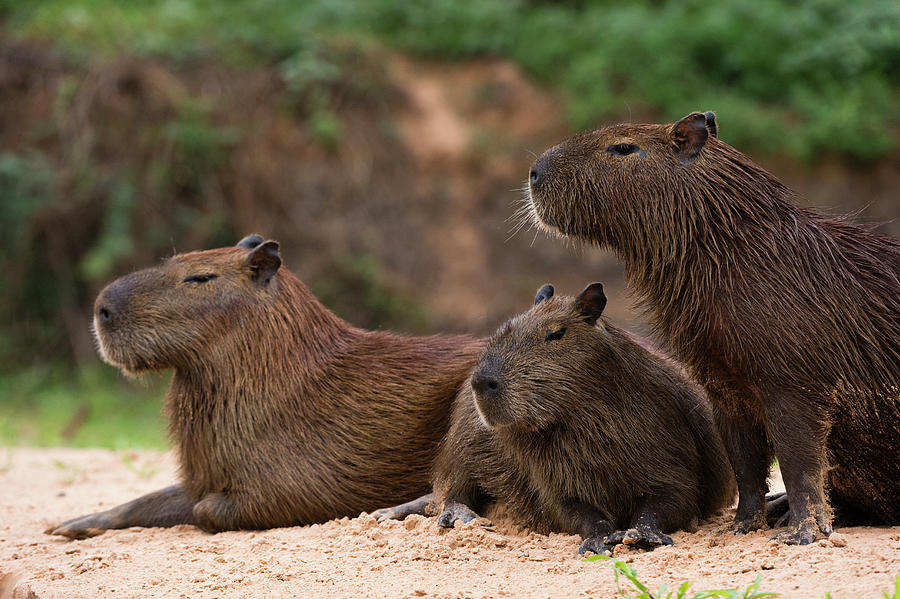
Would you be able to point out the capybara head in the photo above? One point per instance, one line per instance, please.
(600, 184)
(165, 316)
(539, 360)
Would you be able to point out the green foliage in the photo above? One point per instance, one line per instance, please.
(896, 593)
(94, 408)
(795, 78)
(639, 590)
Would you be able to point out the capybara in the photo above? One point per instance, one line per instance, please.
(573, 425)
(281, 412)
(788, 316)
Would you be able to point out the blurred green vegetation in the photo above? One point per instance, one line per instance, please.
(785, 77)
(95, 407)
(128, 159)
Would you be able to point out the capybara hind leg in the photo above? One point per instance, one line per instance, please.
(798, 434)
(777, 509)
(166, 507)
(216, 512)
(422, 506)
(454, 512)
(750, 457)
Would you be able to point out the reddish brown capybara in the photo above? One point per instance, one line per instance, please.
(282, 413)
(575, 426)
(788, 316)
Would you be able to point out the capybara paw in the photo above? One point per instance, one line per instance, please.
(807, 532)
(78, 528)
(640, 538)
(796, 536)
(595, 545)
(387, 513)
(455, 512)
(745, 525)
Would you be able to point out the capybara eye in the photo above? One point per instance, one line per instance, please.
(199, 278)
(622, 149)
(554, 335)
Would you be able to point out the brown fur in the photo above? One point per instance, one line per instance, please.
(789, 317)
(585, 431)
(282, 413)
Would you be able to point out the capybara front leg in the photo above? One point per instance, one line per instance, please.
(166, 507)
(750, 455)
(422, 506)
(799, 434)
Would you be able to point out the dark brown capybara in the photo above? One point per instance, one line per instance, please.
(282, 413)
(575, 426)
(789, 317)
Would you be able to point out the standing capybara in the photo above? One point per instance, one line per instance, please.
(574, 425)
(790, 318)
(282, 413)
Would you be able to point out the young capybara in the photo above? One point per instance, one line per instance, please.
(573, 425)
(282, 413)
(789, 317)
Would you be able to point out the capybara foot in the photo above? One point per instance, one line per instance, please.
(777, 509)
(420, 506)
(642, 537)
(807, 532)
(595, 545)
(455, 512)
(82, 527)
(213, 514)
(744, 525)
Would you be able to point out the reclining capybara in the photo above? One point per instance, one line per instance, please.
(574, 425)
(789, 317)
(282, 413)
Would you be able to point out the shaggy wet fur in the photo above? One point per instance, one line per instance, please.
(573, 425)
(282, 413)
(789, 317)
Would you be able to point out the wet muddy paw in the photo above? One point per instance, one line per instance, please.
(595, 545)
(743, 526)
(808, 531)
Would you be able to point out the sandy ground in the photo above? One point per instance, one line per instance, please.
(359, 557)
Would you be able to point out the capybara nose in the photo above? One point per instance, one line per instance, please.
(538, 170)
(485, 385)
(109, 304)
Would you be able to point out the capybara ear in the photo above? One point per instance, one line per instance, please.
(711, 123)
(250, 241)
(690, 135)
(545, 292)
(591, 301)
(263, 262)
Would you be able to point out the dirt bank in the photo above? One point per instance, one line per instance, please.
(360, 558)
